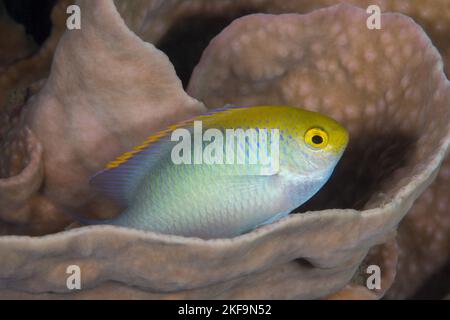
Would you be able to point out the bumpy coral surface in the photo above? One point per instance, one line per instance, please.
(321, 81)
(193, 23)
(108, 90)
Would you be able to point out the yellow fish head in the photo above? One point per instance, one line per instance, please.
(321, 138)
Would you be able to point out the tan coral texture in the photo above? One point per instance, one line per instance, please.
(108, 90)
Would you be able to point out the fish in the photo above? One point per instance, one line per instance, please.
(224, 173)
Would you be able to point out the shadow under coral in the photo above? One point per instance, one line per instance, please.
(369, 161)
(188, 37)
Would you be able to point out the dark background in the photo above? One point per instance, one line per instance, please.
(33, 14)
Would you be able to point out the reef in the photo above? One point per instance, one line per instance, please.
(121, 77)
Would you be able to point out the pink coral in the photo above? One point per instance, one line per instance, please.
(323, 61)
(88, 112)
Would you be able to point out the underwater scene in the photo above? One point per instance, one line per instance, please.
(225, 150)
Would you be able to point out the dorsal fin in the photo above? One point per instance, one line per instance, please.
(121, 175)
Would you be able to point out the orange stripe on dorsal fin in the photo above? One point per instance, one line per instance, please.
(144, 145)
(121, 176)
(151, 140)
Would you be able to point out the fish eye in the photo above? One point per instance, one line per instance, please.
(316, 138)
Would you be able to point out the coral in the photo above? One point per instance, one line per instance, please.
(424, 237)
(341, 82)
(261, 264)
(31, 213)
(88, 112)
(108, 90)
(435, 18)
(72, 97)
(28, 68)
(190, 25)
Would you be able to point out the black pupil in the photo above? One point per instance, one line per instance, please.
(317, 139)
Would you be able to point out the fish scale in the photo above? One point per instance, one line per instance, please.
(224, 200)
